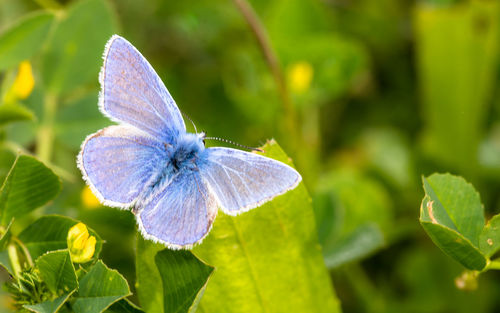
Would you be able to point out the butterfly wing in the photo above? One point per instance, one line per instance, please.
(118, 161)
(241, 180)
(133, 93)
(181, 214)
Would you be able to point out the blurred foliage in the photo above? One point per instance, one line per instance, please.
(382, 92)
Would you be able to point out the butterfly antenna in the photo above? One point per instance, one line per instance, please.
(186, 116)
(234, 143)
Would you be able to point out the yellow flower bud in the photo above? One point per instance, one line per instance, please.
(89, 200)
(299, 76)
(24, 82)
(81, 246)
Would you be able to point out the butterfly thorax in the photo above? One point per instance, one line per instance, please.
(184, 152)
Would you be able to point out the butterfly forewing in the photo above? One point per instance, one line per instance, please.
(133, 93)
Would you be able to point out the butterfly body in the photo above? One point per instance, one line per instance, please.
(184, 154)
(150, 163)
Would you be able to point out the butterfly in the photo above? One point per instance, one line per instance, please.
(150, 163)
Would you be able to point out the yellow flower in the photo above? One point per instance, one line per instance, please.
(81, 246)
(89, 200)
(300, 75)
(24, 82)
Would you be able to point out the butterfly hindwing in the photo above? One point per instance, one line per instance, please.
(133, 93)
(118, 161)
(241, 180)
(181, 214)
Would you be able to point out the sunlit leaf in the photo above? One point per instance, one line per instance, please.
(261, 256)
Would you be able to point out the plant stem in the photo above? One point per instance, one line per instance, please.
(14, 259)
(493, 265)
(272, 61)
(45, 138)
(26, 252)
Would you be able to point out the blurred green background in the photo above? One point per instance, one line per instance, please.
(365, 96)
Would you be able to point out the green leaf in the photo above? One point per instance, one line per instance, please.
(29, 185)
(489, 240)
(457, 52)
(363, 241)
(22, 40)
(345, 203)
(57, 271)
(49, 306)
(184, 279)
(148, 276)
(5, 235)
(99, 289)
(452, 215)
(14, 113)
(268, 259)
(124, 306)
(456, 205)
(77, 46)
(49, 233)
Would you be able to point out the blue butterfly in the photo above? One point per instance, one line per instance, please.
(148, 162)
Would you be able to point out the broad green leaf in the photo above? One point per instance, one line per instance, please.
(99, 289)
(268, 259)
(74, 54)
(23, 40)
(184, 279)
(363, 241)
(457, 51)
(49, 233)
(29, 185)
(148, 276)
(13, 113)
(49, 306)
(455, 245)
(124, 306)
(452, 215)
(489, 240)
(456, 205)
(57, 271)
